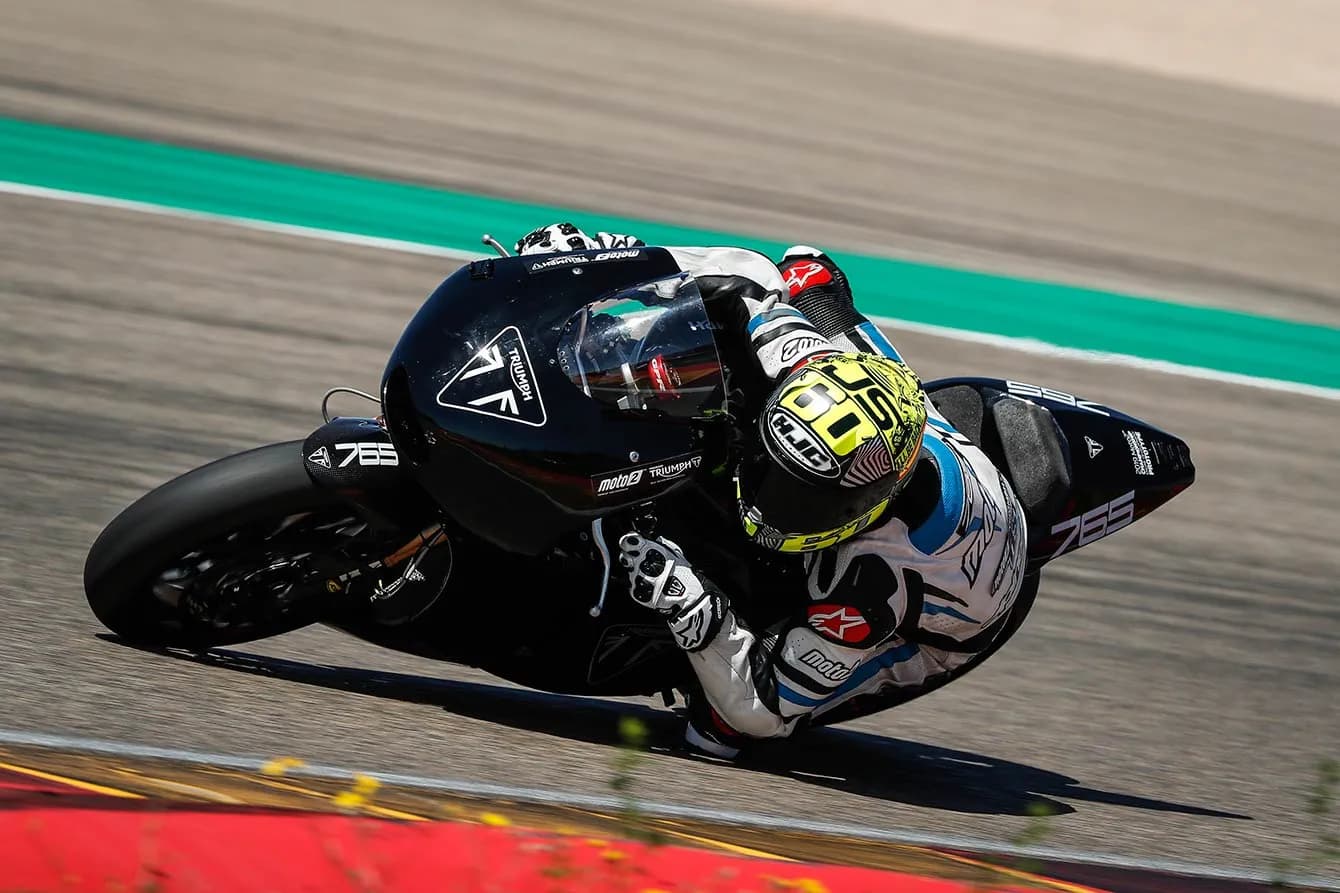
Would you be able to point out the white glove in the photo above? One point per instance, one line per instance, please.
(567, 237)
(664, 581)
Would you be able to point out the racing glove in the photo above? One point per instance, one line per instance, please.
(661, 579)
(567, 237)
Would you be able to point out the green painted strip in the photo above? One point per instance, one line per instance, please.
(1087, 319)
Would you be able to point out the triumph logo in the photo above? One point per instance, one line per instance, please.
(562, 260)
(498, 381)
(520, 377)
(621, 481)
(674, 469)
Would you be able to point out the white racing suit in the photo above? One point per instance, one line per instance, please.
(892, 607)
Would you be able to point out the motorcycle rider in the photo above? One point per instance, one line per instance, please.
(914, 543)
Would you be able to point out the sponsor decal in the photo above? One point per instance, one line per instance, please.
(800, 445)
(366, 453)
(1033, 392)
(498, 381)
(793, 347)
(674, 468)
(839, 623)
(1140, 458)
(801, 276)
(832, 670)
(1094, 446)
(646, 476)
(619, 481)
(1095, 523)
(320, 457)
(562, 261)
(663, 377)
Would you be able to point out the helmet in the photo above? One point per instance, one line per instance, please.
(840, 436)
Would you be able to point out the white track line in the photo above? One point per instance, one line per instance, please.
(1021, 345)
(661, 810)
(265, 226)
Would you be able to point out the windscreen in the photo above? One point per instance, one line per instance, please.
(649, 347)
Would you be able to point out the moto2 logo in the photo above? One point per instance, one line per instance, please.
(800, 446)
(621, 481)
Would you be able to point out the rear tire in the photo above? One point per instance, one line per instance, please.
(257, 490)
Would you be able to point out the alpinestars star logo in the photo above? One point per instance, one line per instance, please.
(498, 381)
(801, 276)
(839, 623)
(1094, 446)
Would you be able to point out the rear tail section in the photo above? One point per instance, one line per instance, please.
(1082, 470)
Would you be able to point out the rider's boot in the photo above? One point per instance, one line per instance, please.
(708, 734)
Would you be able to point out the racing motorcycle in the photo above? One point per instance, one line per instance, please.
(535, 409)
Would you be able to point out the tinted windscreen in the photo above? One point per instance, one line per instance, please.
(649, 347)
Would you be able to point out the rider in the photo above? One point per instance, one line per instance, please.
(914, 543)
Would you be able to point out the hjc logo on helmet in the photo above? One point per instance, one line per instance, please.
(800, 445)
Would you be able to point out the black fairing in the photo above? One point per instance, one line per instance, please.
(1090, 472)
(522, 482)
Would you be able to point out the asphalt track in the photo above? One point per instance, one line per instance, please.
(1175, 686)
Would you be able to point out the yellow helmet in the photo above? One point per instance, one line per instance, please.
(840, 437)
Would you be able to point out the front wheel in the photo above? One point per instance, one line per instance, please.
(240, 549)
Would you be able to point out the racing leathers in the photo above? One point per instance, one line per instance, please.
(908, 600)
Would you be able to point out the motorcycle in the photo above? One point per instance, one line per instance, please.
(534, 409)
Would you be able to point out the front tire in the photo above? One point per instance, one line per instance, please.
(233, 551)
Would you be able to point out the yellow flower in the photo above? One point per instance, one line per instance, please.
(366, 785)
(278, 767)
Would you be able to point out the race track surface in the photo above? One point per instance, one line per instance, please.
(1175, 686)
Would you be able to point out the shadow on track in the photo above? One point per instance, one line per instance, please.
(894, 769)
